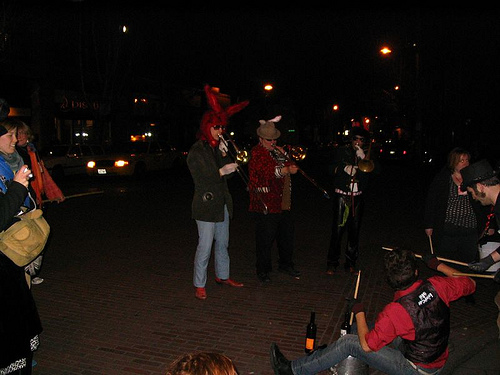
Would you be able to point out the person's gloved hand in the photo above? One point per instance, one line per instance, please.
(431, 261)
(228, 169)
(355, 306)
(350, 169)
(360, 153)
(482, 265)
(222, 147)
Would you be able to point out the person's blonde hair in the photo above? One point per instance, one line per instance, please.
(202, 364)
(23, 126)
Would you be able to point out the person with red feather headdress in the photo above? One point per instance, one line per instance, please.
(212, 205)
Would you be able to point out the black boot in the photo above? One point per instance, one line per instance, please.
(279, 363)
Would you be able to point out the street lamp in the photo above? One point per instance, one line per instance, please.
(385, 51)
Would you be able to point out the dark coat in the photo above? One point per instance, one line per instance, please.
(347, 156)
(19, 320)
(437, 201)
(210, 189)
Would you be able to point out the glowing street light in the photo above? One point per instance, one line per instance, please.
(268, 87)
(335, 107)
(385, 51)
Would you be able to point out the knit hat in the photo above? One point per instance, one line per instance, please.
(216, 116)
(267, 129)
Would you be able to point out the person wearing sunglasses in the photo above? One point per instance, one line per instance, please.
(270, 183)
(212, 204)
(349, 184)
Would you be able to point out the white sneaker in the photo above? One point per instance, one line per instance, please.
(37, 280)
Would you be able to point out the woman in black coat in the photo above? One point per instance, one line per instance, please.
(19, 321)
(452, 219)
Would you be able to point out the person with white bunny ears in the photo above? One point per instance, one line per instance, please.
(348, 203)
(270, 183)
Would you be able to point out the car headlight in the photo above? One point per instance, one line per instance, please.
(121, 163)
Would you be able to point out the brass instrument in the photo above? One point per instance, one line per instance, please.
(241, 157)
(366, 165)
(299, 153)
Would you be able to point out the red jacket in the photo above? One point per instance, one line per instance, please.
(264, 181)
(395, 321)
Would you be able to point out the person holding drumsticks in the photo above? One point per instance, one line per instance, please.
(483, 183)
(452, 220)
(410, 335)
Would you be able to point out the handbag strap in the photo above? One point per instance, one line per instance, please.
(21, 212)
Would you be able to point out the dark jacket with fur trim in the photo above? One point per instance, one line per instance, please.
(210, 190)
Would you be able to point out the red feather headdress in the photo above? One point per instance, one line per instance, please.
(216, 116)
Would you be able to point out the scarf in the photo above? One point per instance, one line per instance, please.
(7, 176)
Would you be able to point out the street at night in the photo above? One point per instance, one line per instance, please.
(118, 296)
(119, 98)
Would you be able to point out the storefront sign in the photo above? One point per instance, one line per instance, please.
(77, 105)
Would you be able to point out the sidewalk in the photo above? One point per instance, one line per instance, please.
(474, 351)
(118, 297)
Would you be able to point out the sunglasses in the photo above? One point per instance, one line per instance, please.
(217, 127)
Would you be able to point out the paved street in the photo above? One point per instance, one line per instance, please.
(118, 297)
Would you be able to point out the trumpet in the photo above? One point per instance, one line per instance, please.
(241, 157)
(366, 165)
(299, 153)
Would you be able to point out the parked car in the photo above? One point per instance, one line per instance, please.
(68, 160)
(395, 150)
(135, 158)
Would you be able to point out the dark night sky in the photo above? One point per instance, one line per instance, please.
(314, 55)
(324, 54)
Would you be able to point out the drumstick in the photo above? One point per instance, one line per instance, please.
(473, 275)
(355, 295)
(430, 242)
(439, 258)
